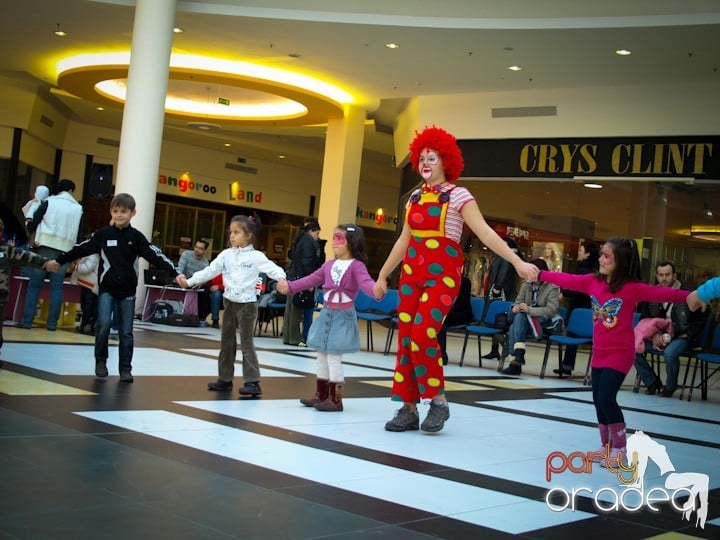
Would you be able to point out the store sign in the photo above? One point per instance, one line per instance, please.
(671, 157)
(184, 184)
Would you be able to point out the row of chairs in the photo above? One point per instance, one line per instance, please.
(579, 332)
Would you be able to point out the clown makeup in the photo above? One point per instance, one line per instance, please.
(340, 247)
(338, 239)
(427, 164)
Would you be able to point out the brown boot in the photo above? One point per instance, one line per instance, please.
(333, 403)
(321, 393)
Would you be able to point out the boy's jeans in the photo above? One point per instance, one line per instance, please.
(126, 312)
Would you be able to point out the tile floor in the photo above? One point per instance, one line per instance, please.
(165, 458)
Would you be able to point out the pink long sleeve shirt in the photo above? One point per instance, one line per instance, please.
(613, 338)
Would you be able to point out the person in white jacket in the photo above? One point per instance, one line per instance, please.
(57, 222)
(240, 266)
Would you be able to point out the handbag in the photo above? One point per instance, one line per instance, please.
(304, 299)
(502, 321)
(552, 325)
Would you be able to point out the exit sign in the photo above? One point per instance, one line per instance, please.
(224, 101)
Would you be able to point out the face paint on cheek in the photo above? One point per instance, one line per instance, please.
(338, 239)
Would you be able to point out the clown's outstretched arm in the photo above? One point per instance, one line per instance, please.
(477, 224)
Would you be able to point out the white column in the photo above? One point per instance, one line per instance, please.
(144, 112)
(341, 172)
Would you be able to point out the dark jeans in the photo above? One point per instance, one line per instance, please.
(672, 352)
(37, 278)
(126, 314)
(606, 383)
(88, 306)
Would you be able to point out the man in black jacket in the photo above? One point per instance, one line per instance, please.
(687, 326)
(306, 257)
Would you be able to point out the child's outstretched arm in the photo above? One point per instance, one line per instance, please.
(704, 293)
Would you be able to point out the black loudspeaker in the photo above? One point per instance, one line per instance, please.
(101, 181)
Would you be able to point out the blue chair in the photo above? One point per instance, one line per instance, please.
(484, 326)
(370, 310)
(703, 360)
(579, 332)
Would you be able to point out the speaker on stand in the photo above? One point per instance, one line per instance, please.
(101, 184)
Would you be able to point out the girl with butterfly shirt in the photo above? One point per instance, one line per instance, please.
(614, 291)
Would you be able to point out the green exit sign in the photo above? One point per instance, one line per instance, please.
(224, 101)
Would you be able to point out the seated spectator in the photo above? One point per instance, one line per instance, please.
(460, 313)
(215, 287)
(534, 299)
(192, 261)
(686, 328)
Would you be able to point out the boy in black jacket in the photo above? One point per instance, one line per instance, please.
(119, 247)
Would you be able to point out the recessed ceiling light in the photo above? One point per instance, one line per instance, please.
(227, 145)
(515, 68)
(623, 52)
(60, 32)
(392, 45)
(178, 30)
(100, 108)
(592, 185)
(281, 156)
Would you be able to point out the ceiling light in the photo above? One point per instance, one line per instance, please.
(178, 30)
(227, 145)
(281, 156)
(623, 52)
(99, 108)
(706, 232)
(707, 211)
(392, 45)
(592, 185)
(301, 99)
(203, 126)
(515, 68)
(60, 32)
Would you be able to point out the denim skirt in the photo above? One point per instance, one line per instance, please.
(335, 331)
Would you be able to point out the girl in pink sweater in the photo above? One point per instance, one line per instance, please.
(614, 291)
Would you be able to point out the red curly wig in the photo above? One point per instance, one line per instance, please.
(444, 144)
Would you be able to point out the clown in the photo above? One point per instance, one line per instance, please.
(432, 262)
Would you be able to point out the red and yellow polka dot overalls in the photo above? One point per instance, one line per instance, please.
(429, 284)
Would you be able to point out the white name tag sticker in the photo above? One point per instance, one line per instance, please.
(112, 243)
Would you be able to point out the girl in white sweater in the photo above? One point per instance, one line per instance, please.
(240, 266)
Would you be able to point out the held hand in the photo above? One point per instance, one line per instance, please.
(694, 302)
(376, 291)
(182, 281)
(529, 272)
(283, 287)
(52, 266)
(380, 289)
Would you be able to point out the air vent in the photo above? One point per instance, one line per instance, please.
(241, 168)
(47, 121)
(519, 112)
(108, 142)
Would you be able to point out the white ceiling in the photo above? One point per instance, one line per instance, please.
(444, 48)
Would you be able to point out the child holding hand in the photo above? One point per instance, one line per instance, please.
(335, 332)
